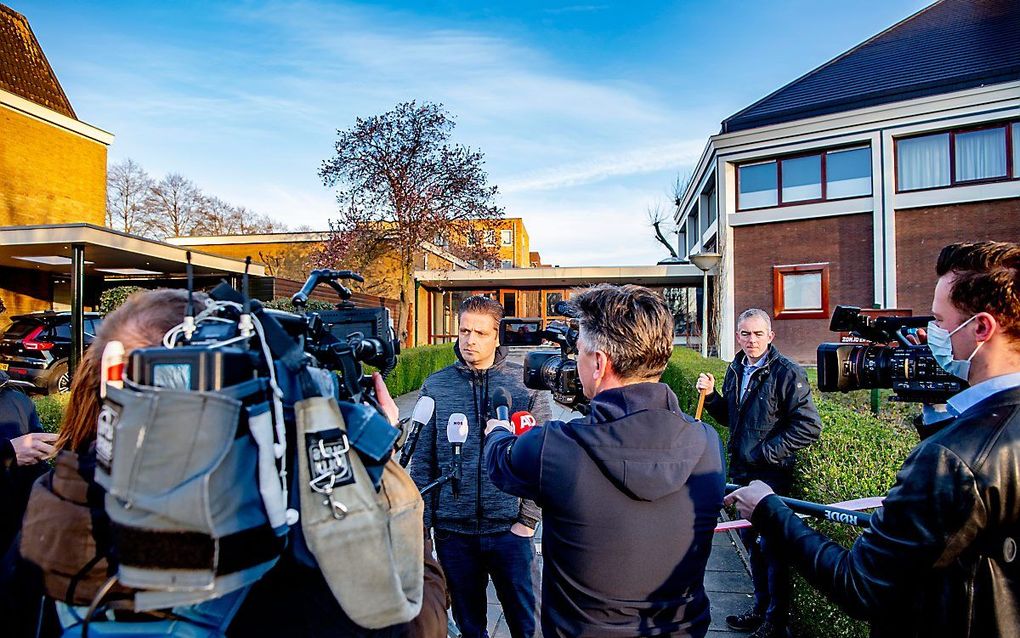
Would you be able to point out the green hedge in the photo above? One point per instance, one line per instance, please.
(113, 298)
(50, 409)
(283, 303)
(414, 364)
(857, 455)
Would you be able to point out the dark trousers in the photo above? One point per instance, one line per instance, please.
(469, 560)
(769, 574)
(771, 578)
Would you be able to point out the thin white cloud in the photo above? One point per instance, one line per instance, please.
(636, 161)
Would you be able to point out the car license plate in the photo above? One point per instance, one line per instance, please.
(4, 366)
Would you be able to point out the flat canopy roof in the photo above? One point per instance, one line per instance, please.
(107, 253)
(672, 275)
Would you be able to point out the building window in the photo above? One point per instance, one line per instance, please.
(471, 239)
(507, 237)
(490, 238)
(800, 291)
(757, 185)
(692, 232)
(802, 178)
(440, 241)
(1016, 149)
(508, 263)
(957, 157)
(822, 176)
(848, 173)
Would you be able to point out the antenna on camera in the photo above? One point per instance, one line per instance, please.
(189, 312)
(244, 324)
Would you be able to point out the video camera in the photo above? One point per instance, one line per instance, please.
(890, 360)
(222, 348)
(555, 371)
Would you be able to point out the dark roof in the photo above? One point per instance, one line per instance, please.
(949, 46)
(24, 69)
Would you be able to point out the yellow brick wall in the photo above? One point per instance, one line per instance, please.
(49, 175)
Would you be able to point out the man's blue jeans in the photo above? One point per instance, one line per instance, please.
(469, 560)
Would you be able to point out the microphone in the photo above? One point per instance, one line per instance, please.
(423, 411)
(501, 401)
(456, 434)
(522, 422)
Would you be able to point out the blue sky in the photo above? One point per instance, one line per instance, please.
(586, 111)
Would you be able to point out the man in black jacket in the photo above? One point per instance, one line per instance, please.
(766, 402)
(630, 493)
(941, 557)
(23, 447)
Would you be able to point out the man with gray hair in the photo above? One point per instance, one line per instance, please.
(630, 493)
(766, 403)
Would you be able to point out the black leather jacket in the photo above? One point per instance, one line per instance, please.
(941, 556)
(776, 418)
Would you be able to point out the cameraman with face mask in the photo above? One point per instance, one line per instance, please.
(941, 557)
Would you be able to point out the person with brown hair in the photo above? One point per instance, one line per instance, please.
(941, 557)
(630, 493)
(66, 532)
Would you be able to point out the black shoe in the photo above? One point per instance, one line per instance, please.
(769, 630)
(747, 621)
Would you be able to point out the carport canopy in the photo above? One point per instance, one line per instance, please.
(80, 249)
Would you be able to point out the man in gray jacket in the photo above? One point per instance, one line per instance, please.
(480, 532)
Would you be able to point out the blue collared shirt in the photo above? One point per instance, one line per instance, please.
(749, 369)
(978, 393)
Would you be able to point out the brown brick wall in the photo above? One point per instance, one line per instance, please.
(49, 175)
(845, 242)
(922, 232)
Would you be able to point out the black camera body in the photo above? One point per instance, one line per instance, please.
(888, 361)
(552, 370)
(340, 340)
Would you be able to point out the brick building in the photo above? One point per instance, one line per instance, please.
(52, 165)
(842, 186)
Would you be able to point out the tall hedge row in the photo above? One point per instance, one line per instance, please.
(857, 455)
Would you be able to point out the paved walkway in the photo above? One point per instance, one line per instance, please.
(726, 580)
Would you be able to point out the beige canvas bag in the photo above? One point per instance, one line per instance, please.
(368, 544)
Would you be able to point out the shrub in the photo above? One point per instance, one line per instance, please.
(112, 298)
(414, 364)
(857, 455)
(50, 409)
(283, 303)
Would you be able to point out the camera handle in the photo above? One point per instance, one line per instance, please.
(330, 277)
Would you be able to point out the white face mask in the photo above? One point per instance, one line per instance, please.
(940, 341)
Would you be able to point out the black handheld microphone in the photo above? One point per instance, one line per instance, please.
(456, 434)
(501, 401)
(423, 411)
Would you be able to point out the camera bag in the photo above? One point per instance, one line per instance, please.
(181, 470)
(367, 542)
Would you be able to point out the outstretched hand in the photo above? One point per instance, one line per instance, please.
(747, 498)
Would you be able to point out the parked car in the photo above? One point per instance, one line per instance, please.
(34, 350)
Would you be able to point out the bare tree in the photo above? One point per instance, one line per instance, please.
(657, 218)
(401, 183)
(127, 187)
(218, 217)
(176, 204)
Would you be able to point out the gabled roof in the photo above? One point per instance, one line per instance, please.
(951, 45)
(24, 69)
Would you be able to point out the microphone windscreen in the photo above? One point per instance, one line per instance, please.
(522, 422)
(501, 399)
(457, 428)
(423, 410)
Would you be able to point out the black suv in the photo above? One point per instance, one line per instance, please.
(35, 348)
